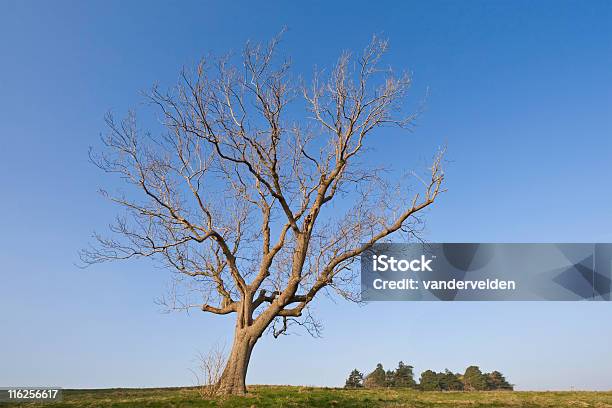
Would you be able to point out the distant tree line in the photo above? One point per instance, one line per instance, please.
(403, 377)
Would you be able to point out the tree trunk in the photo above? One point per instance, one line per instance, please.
(233, 379)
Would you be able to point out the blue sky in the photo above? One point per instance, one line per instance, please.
(521, 92)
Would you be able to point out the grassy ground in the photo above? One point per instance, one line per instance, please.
(284, 396)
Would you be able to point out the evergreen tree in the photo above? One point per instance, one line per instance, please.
(354, 380)
(404, 376)
(429, 381)
(450, 381)
(497, 381)
(376, 378)
(390, 378)
(474, 379)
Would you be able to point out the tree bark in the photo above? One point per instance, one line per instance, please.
(233, 379)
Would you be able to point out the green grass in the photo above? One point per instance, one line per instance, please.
(285, 396)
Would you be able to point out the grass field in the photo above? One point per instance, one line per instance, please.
(285, 396)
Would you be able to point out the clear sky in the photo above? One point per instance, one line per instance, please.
(521, 91)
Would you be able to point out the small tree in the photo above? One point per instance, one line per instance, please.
(404, 376)
(376, 378)
(390, 378)
(450, 381)
(497, 381)
(354, 380)
(429, 381)
(474, 379)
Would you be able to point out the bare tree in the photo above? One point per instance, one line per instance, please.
(258, 191)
